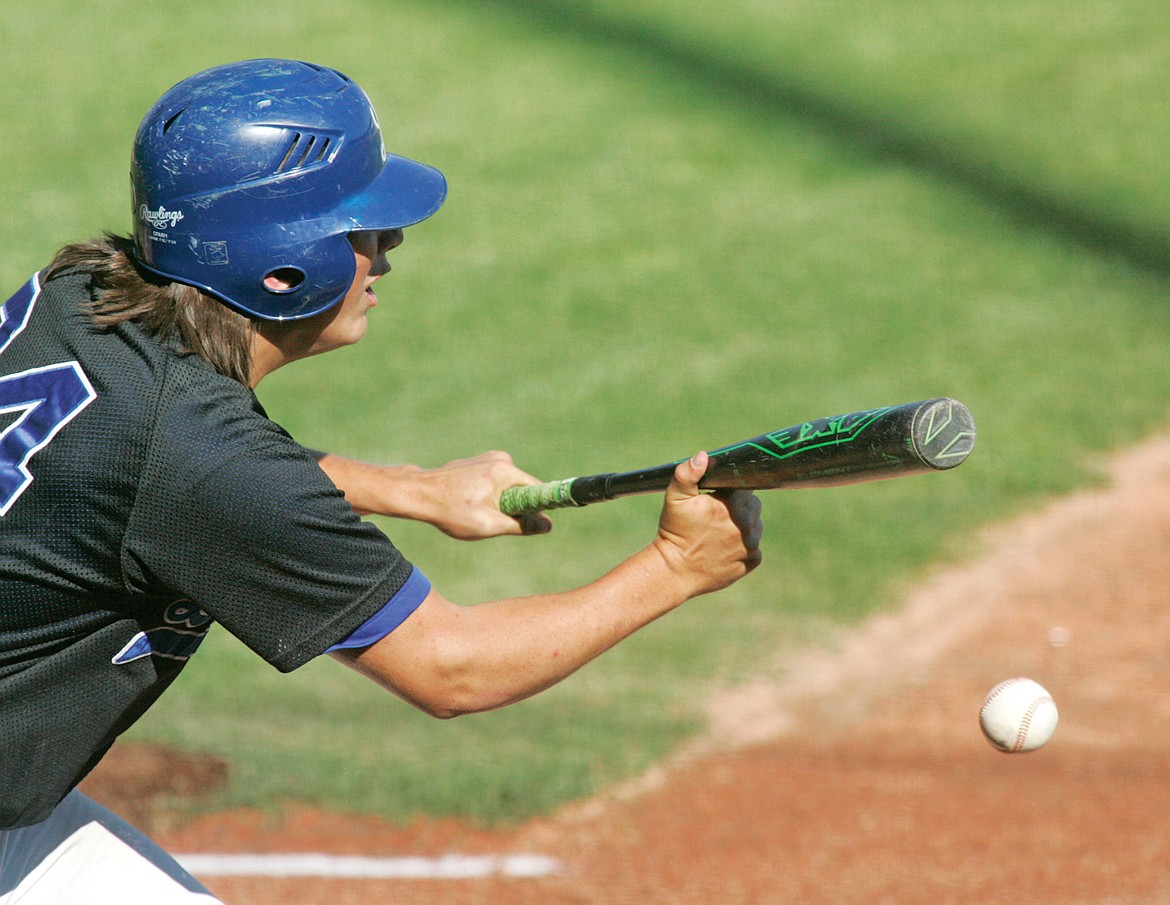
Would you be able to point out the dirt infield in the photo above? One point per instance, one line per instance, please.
(858, 774)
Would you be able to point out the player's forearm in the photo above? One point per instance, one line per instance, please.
(460, 498)
(448, 660)
(390, 490)
(452, 660)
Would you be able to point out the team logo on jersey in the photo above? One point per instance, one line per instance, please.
(186, 626)
(160, 218)
(43, 400)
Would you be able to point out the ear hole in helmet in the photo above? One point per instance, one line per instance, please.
(280, 280)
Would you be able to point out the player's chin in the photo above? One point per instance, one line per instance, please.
(342, 335)
(358, 333)
(359, 322)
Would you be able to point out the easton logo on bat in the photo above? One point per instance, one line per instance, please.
(800, 438)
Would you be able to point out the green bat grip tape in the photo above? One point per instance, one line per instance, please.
(538, 497)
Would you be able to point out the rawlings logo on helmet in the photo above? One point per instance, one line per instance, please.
(161, 218)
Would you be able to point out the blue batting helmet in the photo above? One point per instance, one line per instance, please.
(265, 166)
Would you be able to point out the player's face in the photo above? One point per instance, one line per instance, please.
(345, 323)
(369, 251)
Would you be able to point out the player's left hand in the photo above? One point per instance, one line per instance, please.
(709, 540)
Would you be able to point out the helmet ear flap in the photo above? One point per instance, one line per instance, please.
(313, 276)
(282, 276)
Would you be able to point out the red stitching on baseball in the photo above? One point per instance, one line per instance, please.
(1026, 722)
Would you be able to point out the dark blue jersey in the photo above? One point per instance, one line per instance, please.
(144, 496)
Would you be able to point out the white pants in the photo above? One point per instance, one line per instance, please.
(86, 855)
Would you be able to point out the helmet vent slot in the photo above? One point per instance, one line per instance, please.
(172, 119)
(305, 150)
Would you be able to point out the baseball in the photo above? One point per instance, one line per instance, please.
(1018, 715)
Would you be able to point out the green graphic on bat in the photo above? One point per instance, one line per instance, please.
(893, 441)
(793, 441)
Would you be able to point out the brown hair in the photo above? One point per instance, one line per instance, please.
(122, 291)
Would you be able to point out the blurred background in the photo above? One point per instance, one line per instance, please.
(670, 226)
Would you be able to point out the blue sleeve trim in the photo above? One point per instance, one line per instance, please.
(392, 615)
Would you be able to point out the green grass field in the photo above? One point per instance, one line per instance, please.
(669, 228)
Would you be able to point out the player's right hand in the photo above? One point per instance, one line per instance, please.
(708, 540)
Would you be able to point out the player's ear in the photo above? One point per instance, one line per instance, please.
(283, 279)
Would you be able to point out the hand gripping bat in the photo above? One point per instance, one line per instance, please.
(891, 442)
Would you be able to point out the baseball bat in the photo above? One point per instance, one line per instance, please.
(890, 442)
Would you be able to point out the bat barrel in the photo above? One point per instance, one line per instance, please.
(894, 441)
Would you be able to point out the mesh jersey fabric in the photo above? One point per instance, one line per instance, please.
(162, 501)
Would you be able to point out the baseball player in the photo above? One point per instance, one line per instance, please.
(145, 495)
